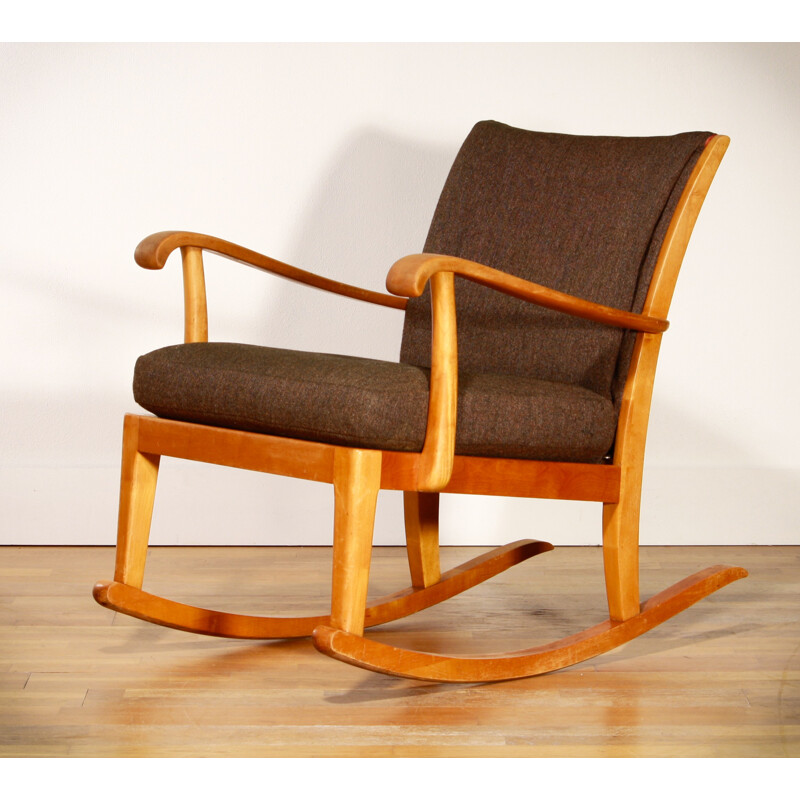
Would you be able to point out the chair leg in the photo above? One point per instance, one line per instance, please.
(627, 619)
(621, 551)
(137, 494)
(356, 477)
(356, 480)
(422, 537)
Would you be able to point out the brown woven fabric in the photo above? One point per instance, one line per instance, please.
(582, 214)
(367, 403)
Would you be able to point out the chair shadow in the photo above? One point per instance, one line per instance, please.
(370, 206)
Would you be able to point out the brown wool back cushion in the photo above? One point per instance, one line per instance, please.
(582, 214)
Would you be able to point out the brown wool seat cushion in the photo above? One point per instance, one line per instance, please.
(367, 403)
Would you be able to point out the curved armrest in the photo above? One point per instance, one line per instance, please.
(152, 253)
(408, 277)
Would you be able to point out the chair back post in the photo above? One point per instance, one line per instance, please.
(621, 520)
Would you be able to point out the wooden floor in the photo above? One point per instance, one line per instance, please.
(722, 679)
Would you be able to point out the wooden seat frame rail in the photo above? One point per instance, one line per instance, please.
(358, 474)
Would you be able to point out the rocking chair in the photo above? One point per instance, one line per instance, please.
(566, 250)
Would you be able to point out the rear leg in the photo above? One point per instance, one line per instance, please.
(422, 537)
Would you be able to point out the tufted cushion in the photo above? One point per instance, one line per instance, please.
(367, 403)
(582, 214)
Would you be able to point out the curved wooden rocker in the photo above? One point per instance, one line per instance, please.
(357, 472)
(152, 608)
(378, 657)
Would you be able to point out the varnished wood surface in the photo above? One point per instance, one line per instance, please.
(356, 483)
(153, 252)
(138, 478)
(722, 679)
(195, 304)
(676, 240)
(421, 517)
(314, 461)
(276, 455)
(621, 516)
(436, 460)
(509, 477)
(148, 607)
(353, 648)
(408, 277)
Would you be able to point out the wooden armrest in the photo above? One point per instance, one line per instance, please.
(408, 277)
(152, 253)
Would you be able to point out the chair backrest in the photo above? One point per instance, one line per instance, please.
(582, 214)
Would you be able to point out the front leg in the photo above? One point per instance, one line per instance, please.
(356, 480)
(136, 498)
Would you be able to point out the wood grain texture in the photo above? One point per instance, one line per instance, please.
(195, 306)
(721, 680)
(314, 461)
(676, 240)
(436, 459)
(138, 477)
(356, 482)
(507, 477)
(153, 252)
(421, 516)
(132, 601)
(231, 448)
(410, 274)
(400, 662)
(621, 517)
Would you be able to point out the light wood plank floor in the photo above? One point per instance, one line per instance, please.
(722, 679)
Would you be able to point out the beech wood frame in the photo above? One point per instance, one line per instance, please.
(358, 474)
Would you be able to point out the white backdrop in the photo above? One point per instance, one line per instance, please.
(331, 157)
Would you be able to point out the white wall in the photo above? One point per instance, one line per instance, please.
(331, 157)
